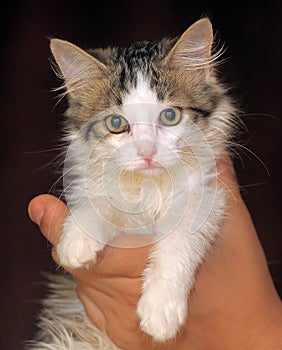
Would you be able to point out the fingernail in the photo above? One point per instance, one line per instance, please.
(36, 213)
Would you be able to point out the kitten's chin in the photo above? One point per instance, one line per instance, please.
(150, 172)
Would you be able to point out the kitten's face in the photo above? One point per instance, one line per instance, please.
(148, 106)
(141, 135)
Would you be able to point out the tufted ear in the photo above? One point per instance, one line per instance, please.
(80, 71)
(192, 51)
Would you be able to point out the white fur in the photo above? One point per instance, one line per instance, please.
(180, 208)
(169, 278)
(142, 93)
(184, 207)
(76, 248)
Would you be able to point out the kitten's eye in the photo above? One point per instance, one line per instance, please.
(170, 116)
(116, 124)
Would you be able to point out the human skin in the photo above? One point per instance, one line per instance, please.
(234, 304)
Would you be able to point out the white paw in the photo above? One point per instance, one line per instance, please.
(161, 312)
(75, 249)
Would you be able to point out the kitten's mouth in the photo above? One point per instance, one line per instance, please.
(145, 165)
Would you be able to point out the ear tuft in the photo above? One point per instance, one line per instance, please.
(76, 65)
(192, 50)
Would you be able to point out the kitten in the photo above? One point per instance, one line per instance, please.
(145, 125)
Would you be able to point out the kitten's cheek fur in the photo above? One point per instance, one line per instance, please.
(75, 248)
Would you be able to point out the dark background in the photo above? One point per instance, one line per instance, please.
(30, 123)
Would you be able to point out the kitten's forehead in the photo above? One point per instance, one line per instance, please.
(141, 92)
(141, 103)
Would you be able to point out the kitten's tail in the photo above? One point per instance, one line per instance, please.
(63, 323)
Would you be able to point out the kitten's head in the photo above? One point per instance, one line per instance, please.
(149, 105)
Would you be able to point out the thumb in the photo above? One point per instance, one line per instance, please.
(49, 213)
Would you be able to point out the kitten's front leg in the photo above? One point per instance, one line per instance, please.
(75, 248)
(168, 280)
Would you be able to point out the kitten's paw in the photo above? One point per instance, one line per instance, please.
(162, 313)
(75, 249)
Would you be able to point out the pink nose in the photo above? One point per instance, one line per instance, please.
(146, 149)
(147, 153)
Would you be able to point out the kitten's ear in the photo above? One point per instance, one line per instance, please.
(192, 50)
(80, 70)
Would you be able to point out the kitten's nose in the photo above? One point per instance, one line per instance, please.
(147, 151)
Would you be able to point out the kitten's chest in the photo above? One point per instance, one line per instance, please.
(142, 204)
(150, 195)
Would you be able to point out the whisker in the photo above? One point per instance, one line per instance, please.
(61, 148)
(250, 152)
(226, 186)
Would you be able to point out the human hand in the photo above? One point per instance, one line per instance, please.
(233, 306)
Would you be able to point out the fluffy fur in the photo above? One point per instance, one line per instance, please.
(106, 173)
(63, 322)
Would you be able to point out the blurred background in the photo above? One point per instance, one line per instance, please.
(30, 121)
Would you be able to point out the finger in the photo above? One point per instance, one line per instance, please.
(93, 311)
(111, 263)
(49, 213)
